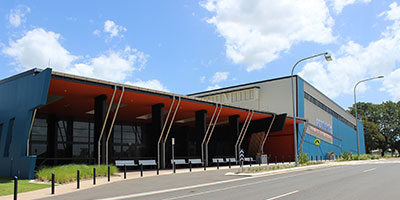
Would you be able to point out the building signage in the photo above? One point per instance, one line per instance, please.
(324, 126)
(317, 132)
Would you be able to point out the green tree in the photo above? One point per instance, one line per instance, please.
(386, 116)
(373, 138)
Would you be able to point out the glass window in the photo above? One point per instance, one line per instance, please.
(39, 130)
(62, 131)
(81, 132)
(128, 135)
(80, 150)
(38, 149)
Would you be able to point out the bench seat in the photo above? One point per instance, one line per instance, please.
(195, 161)
(121, 163)
(179, 161)
(147, 162)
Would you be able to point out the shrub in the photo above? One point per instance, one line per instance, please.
(346, 156)
(303, 158)
(67, 173)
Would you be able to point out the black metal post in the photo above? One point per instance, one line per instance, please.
(204, 166)
(94, 176)
(217, 164)
(158, 170)
(174, 167)
(108, 173)
(190, 166)
(52, 183)
(230, 164)
(77, 179)
(15, 187)
(141, 170)
(250, 163)
(124, 171)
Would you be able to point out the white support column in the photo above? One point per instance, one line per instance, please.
(169, 128)
(30, 131)
(266, 135)
(240, 134)
(113, 121)
(162, 132)
(104, 126)
(210, 134)
(206, 133)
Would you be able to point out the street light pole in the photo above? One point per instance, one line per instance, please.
(355, 108)
(327, 58)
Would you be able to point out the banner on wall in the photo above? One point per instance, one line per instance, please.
(319, 133)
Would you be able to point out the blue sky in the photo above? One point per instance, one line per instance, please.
(189, 46)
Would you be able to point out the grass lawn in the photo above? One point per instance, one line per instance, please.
(67, 173)
(275, 167)
(7, 186)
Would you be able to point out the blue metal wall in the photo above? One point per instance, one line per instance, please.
(348, 142)
(19, 96)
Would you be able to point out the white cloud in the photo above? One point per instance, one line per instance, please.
(150, 84)
(213, 87)
(202, 79)
(17, 16)
(392, 84)
(113, 29)
(39, 47)
(112, 66)
(354, 62)
(219, 76)
(338, 5)
(256, 32)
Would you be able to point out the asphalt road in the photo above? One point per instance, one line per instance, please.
(367, 181)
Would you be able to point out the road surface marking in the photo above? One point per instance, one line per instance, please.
(209, 184)
(368, 170)
(283, 195)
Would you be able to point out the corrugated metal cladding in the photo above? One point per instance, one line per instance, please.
(328, 122)
(20, 95)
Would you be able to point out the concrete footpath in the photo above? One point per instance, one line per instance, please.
(100, 181)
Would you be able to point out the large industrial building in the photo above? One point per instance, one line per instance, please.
(327, 121)
(51, 118)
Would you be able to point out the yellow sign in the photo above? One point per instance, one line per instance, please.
(317, 142)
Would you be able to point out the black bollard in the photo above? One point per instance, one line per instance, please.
(250, 163)
(94, 176)
(77, 179)
(217, 164)
(141, 170)
(52, 183)
(108, 173)
(174, 167)
(124, 171)
(158, 171)
(230, 165)
(190, 166)
(204, 166)
(15, 187)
